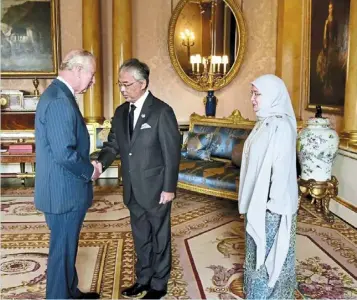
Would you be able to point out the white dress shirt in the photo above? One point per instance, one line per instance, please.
(66, 83)
(139, 105)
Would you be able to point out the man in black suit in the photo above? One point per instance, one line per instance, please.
(145, 133)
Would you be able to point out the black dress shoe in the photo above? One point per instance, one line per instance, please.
(135, 291)
(155, 294)
(88, 296)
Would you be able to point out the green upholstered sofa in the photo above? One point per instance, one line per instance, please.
(218, 176)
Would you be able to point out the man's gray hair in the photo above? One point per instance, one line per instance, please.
(138, 69)
(77, 58)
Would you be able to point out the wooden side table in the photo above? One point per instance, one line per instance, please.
(22, 159)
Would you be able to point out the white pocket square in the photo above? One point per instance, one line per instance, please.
(145, 126)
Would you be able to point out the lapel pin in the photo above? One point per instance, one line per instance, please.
(143, 115)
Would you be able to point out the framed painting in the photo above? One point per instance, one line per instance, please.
(326, 54)
(101, 133)
(29, 38)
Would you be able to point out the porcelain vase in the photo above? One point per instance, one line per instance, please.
(317, 147)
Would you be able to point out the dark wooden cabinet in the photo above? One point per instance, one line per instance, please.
(17, 127)
(14, 120)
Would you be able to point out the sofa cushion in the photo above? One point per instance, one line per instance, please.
(198, 146)
(224, 139)
(237, 154)
(209, 174)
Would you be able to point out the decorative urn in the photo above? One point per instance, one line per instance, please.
(210, 104)
(317, 147)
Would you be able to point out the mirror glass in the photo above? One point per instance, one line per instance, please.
(208, 38)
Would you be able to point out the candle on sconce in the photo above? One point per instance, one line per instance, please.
(214, 62)
(204, 62)
(225, 62)
(211, 65)
(182, 35)
(192, 36)
(192, 62)
(198, 61)
(219, 61)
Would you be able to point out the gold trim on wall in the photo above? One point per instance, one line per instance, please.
(238, 61)
(349, 148)
(346, 204)
(92, 41)
(122, 46)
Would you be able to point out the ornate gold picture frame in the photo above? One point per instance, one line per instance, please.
(29, 38)
(325, 44)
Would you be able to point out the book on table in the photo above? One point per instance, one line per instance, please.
(21, 148)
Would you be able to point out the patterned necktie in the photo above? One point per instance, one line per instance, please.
(131, 119)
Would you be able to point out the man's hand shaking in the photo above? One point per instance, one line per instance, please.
(98, 169)
(166, 197)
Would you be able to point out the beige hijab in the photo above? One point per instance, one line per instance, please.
(268, 173)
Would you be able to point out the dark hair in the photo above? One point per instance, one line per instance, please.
(138, 69)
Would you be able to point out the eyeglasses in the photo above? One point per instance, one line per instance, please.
(125, 85)
(256, 94)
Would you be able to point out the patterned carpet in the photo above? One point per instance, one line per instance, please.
(17, 209)
(208, 249)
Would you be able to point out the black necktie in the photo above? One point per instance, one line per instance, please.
(131, 119)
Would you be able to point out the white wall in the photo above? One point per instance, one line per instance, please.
(345, 170)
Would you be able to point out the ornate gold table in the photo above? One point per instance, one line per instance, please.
(321, 192)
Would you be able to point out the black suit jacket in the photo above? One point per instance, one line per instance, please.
(150, 159)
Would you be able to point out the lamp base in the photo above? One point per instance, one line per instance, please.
(321, 192)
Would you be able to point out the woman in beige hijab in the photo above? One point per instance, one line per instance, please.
(268, 193)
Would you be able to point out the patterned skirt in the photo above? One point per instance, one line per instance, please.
(256, 281)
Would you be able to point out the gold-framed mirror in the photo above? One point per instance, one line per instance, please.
(207, 40)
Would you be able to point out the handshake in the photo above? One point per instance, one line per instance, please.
(98, 169)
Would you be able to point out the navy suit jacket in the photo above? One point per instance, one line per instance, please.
(63, 168)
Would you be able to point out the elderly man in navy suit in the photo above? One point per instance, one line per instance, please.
(64, 173)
